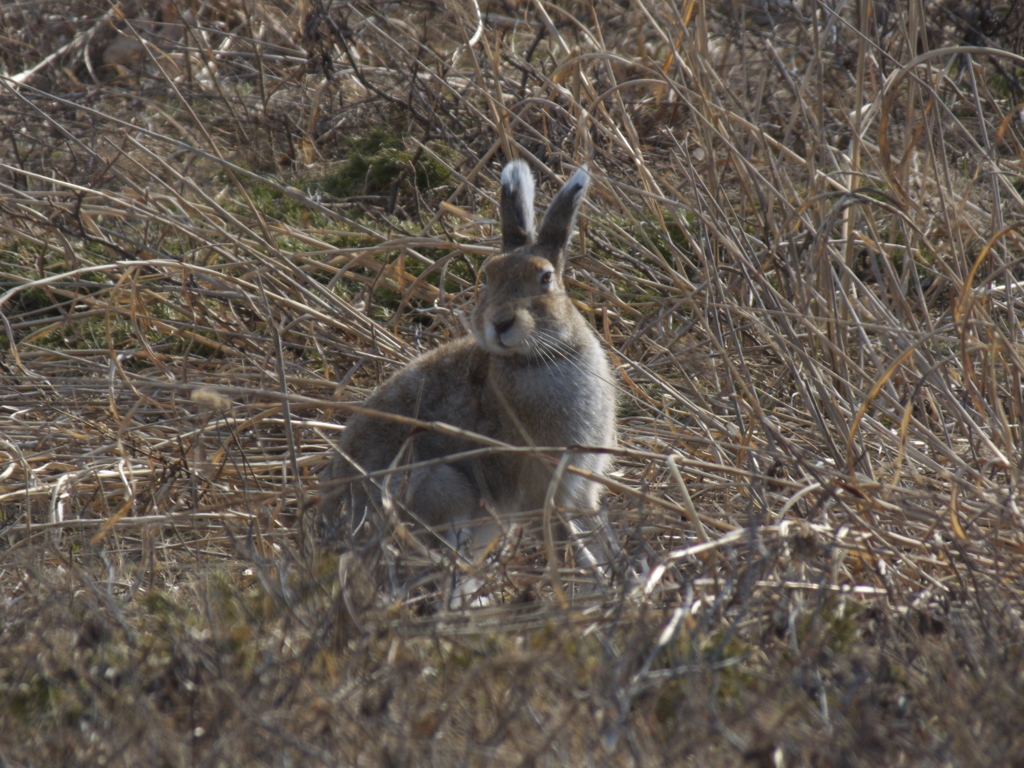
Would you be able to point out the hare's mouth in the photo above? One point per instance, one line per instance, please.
(505, 331)
(506, 337)
(506, 340)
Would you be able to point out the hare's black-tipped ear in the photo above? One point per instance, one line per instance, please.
(516, 206)
(560, 219)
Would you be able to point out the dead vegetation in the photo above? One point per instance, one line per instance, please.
(224, 221)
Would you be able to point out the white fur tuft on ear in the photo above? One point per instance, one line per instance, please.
(517, 176)
(579, 179)
(517, 216)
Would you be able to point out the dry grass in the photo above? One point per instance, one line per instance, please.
(804, 248)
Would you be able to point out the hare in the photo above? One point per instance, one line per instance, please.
(531, 374)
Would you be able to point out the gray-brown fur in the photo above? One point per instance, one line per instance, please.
(532, 373)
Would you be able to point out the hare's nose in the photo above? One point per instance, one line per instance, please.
(503, 325)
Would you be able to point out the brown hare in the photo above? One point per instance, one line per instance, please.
(531, 374)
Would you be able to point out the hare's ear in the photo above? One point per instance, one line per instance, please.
(516, 206)
(560, 219)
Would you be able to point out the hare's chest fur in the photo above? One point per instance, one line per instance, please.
(568, 401)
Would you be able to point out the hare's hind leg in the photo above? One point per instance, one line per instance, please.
(441, 497)
(344, 500)
(446, 499)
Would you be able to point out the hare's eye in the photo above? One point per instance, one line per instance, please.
(546, 277)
